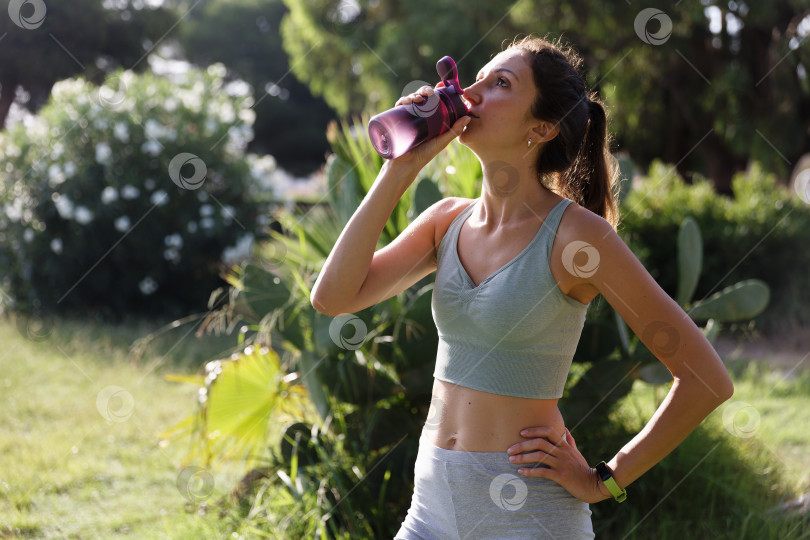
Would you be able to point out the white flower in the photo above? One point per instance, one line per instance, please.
(63, 205)
(149, 184)
(227, 212)
(207, 223)
(217, 70)
(56, 245)
(240, 251)
(70, 169)
(153, 129)
(83, 215)
(103, 153)
(109, 194)
(237, 88)
(173, 240)
(247, 116)
(121, 131)
(226, 113)
(206, 210)
(192, 98)
(147, 286)
(130, 192)
(28, 235)
(151, 147)
(122, 224)
(170, 104)
(159, 198)
(56, 175)
(57, 150)
(210, 126)
(171, 255)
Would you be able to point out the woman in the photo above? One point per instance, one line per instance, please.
(516, 269)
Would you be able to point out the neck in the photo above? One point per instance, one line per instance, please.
(512, 194)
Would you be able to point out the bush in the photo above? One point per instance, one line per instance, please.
(122, 198)
(761, 233)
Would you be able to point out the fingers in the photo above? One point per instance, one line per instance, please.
(539, 472)
(535, 459)
(570, 438)
(418, 96)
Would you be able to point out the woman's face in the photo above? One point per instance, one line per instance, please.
(500, 104)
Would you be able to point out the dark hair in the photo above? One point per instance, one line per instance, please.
(578, 159)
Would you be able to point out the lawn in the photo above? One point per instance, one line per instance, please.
(80, 428)
(81, 421)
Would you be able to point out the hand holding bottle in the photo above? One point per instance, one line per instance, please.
(426, 115)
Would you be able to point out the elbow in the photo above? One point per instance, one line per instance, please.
(321, 302)
(726, 390)
(316, 298)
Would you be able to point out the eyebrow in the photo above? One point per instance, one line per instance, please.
(504, 69)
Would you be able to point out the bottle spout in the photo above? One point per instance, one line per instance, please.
(448, 72)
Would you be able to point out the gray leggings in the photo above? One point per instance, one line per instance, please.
(480, 495)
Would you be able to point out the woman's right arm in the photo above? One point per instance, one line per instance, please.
(354, 276)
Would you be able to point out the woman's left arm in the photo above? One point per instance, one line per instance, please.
(701, 382)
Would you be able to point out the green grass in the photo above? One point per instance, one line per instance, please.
(82, 462)
(73, 469)
(723, 481)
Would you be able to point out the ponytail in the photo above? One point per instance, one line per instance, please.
(577, 162)
(591, 180)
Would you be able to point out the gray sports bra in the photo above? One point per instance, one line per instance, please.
(515, 333)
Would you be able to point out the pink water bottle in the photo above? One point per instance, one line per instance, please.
(397, 130)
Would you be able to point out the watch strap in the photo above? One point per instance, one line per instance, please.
(607, 478)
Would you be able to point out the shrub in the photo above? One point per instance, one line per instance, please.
(760, 233)
(123, 198)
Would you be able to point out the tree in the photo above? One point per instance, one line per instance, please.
(290, 122)
(709, 86)
(44, 43)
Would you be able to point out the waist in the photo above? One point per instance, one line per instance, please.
(466, 419)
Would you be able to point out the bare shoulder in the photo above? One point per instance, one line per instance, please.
(442, 213)
(583, 240)
(579, 223)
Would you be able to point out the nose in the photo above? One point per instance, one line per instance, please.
(471, 94)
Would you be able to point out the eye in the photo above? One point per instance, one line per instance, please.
(504, 81)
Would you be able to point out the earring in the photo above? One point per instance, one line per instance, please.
(530, 143)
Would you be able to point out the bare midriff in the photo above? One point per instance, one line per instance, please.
(470, 420)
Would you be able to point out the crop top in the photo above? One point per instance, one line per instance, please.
(516, 332)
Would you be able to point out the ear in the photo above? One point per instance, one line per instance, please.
(545, 131)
